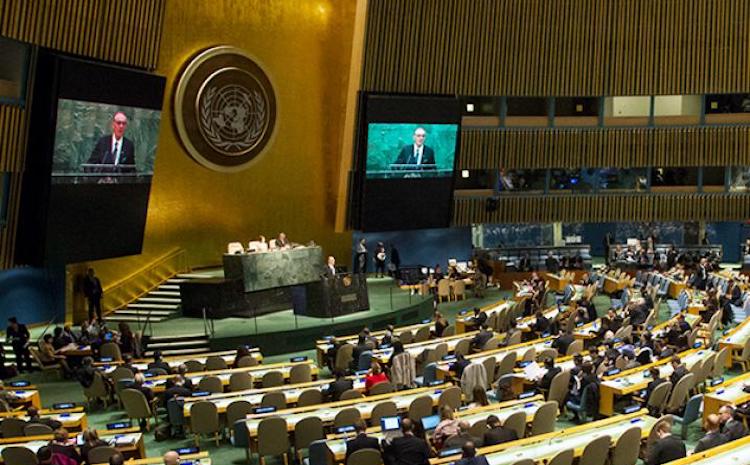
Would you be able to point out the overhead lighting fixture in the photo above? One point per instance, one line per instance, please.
(464, 174)
(470, 108)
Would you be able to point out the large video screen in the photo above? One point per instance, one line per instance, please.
(407, 150)
(405, 159)
(104, 143)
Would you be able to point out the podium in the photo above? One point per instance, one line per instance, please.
(336, 296)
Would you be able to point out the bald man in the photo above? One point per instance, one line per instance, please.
(417, 153)
(115, 149)
(713, 435)
(171, 458)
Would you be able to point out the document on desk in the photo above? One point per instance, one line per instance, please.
(533, 371)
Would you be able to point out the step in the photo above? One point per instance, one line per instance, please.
(178, 344)
(157, 339)
(169, 287)
(144, 313)
(169, 352)
(155, 306)
(176, 280)
(164, 294)
(134, 319)
(160, 300)
(187, 276)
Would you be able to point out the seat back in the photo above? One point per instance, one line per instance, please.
(344, 357)
(310, 397)
(272, 379)
(19, 455)
(36, 429)
(121, 373)
(692, 409)
(575, 347)
(515, 338)
(545, 354)
(273, 438)
(320, 453)
(194, 366)
(238, 410)
(98, 388)
(529, 355)
(444, 288)
(564, 457)
(240, 381)
(658, 397)
(720, 363)
(346, 416)
(12, 427)
(544, 419)
(102, 454)
(382, 388)
(214, 362)
(110, 349)
(450, 396)
(627, 447)
(449, 330)
(365, 360)
(490, 365)
(387, 408)
(429, 374)
(406, 337)
(463, 347)
(422, 334)
(274, 399)
(300, 374)
(365, 457)
(176, 411)
(211, 384)
(351, 394)
(517, 422)
(507, 364)
(596, 452)
(680, 392)
(558, 389)
(135, 403)
(420, 407)
(306, 431)
(492, 343)
(247, 361)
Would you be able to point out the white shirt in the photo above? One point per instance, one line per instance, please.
(116, 148)
(418, 153)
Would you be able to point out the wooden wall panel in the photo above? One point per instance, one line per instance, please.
(631, 147)
(604, 208)
(557, 47)
(125, 31)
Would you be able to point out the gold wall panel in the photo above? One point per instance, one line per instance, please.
(621, 147)
(123, 31)
(304, 46)
(590, 208)
(557, 47)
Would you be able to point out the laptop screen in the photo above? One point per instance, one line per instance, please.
(390, 423)
(431, 422)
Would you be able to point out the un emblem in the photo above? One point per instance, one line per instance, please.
(225, 108)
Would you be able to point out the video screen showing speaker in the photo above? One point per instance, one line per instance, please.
(410, 150)
(405, 161)
(104, 143)
(92, 146)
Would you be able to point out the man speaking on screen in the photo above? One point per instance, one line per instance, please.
(417, 154)
(115, 149)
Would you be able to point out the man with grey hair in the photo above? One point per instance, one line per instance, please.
(171, 458)
(417, 154)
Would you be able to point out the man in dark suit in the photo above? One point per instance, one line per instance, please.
(731, 427)
(713, 436)
(564, 339)
(551, 263)
(417, 153)
(159, 363)
(459, 365)
(552, 371)
(484, 335)
(19, 336)
(679, 370)
(478, 319)
(667, 447)
(92, 289)
(361, 441)
(407, 449)
(338, 387)
(462, 438)
(541, 324)
(497, 433)
(115, 149)
(469, 456)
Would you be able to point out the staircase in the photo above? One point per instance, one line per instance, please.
(162, 302)
(177, 345)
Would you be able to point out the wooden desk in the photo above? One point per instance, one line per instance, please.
(337, 443)
(157, 383)
(131, 442)
(443, 366)
(612, 285)
(661, 328)
(255, 396)
(75, 350)
(200, 456)
(634, 380)
(735, 339)
(327, 412)
(26, 397)
(543, 447)
(177, 360)
(322, 346)
(557, 282)
(729, 392)
(521, 381)
(464, 322)
(731, 453)
(416, 348)
(525, 324)
(72, 421)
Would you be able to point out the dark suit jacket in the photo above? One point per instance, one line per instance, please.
(562, 343)
(546, 380)
(498, 435)
(362, 441)
(458, 441)
(408, 450)
(666, 450)
(734, 429)
(677, 374)
(336, 388)
(711, 439)
(102, 154)
(406, 156)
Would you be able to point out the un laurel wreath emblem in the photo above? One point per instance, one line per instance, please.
(225, 108)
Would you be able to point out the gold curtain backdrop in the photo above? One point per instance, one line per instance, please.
(610, 147)
(558, 47)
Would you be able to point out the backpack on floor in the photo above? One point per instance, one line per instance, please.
(163, 432)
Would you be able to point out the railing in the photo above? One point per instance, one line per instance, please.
(141, 281)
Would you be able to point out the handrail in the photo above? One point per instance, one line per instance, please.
(143, 280)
